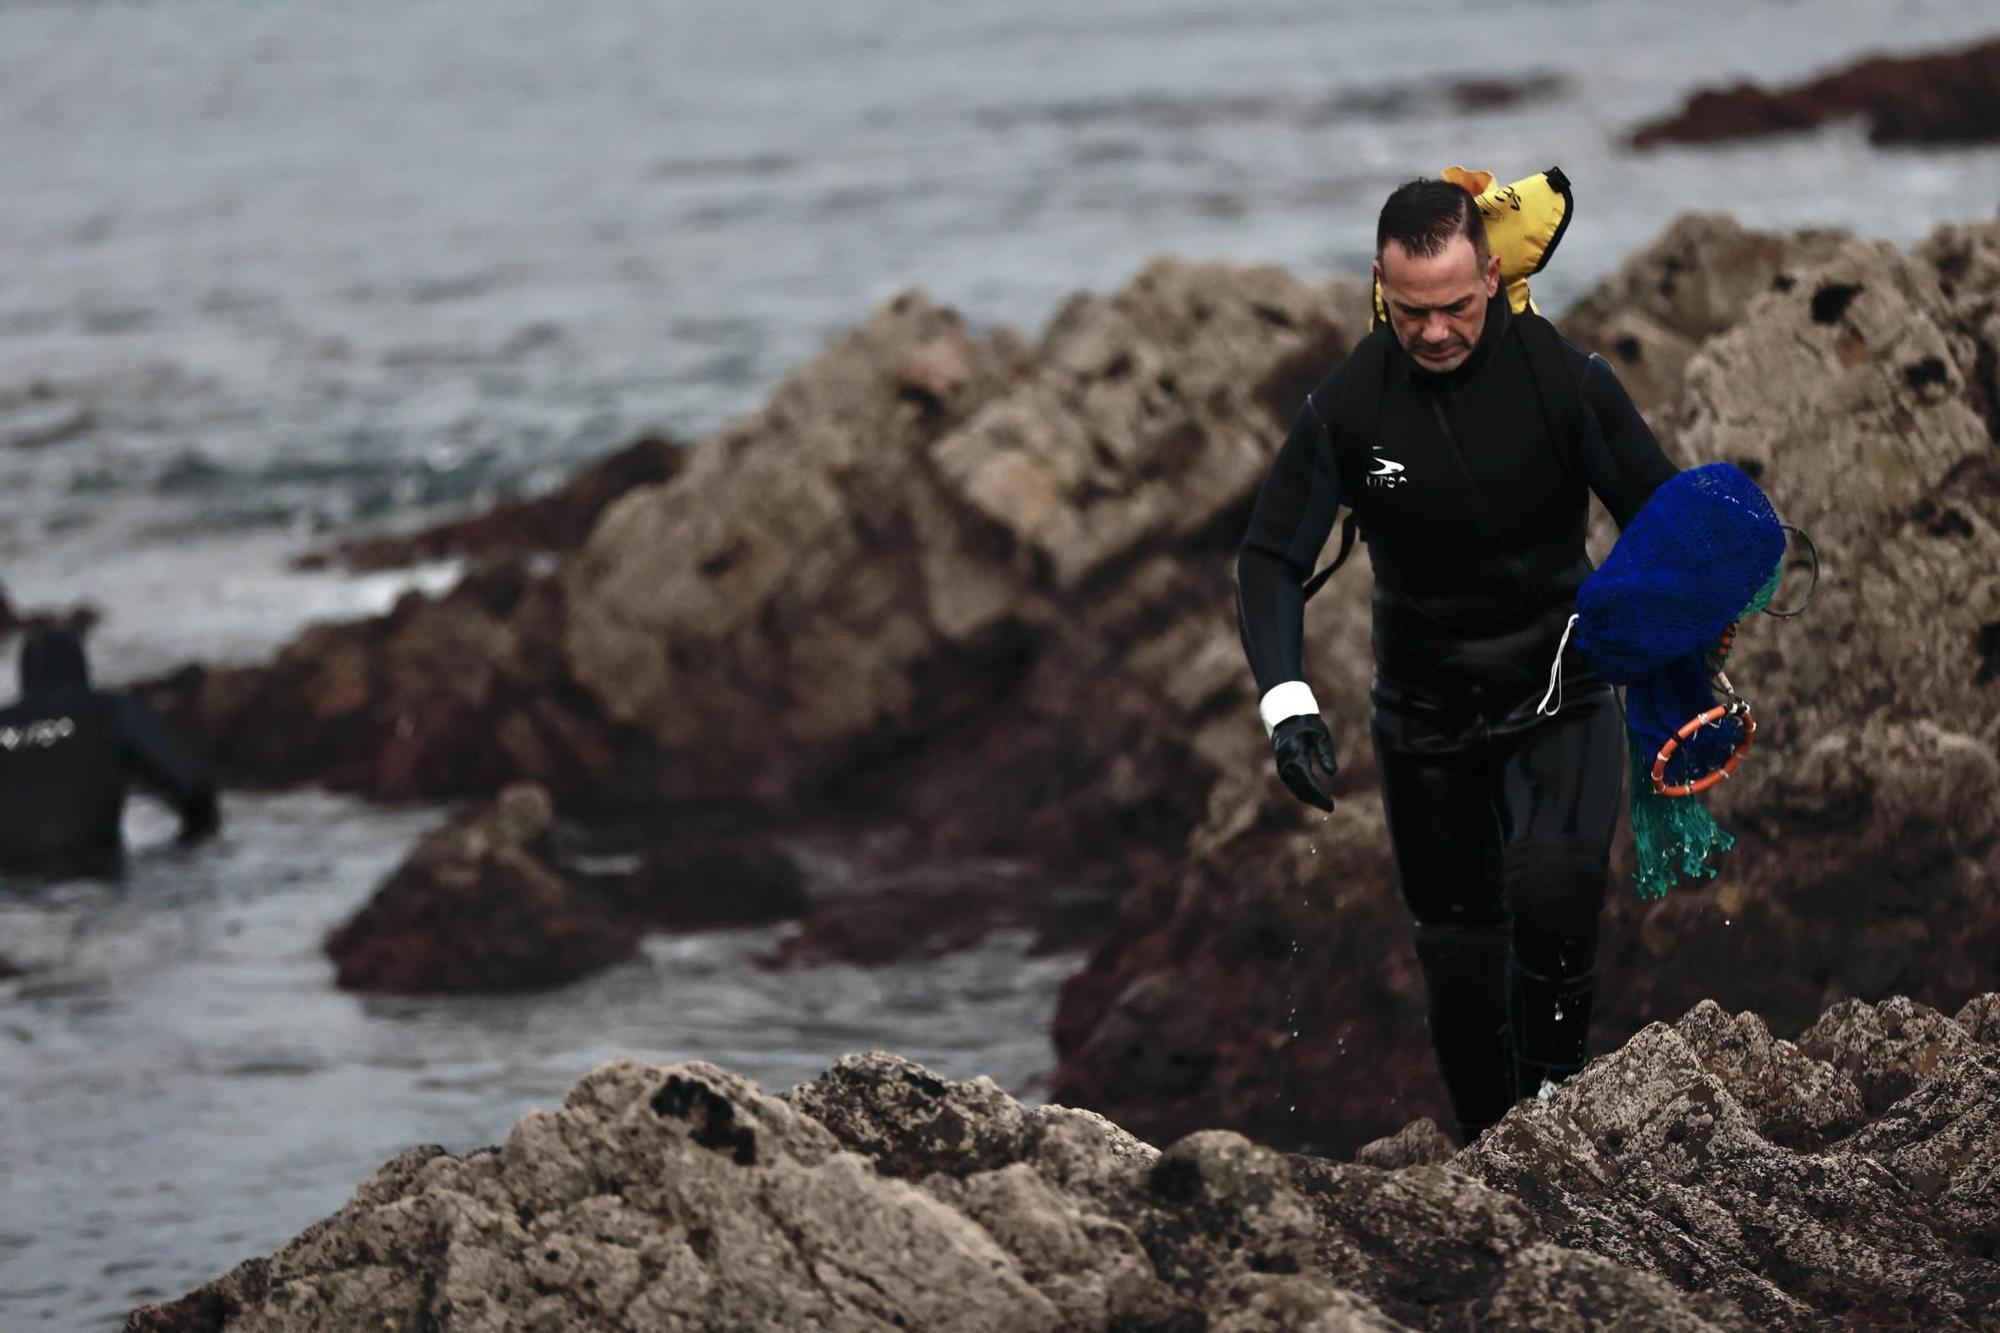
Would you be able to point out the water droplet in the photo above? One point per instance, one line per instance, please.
(1559, 1013)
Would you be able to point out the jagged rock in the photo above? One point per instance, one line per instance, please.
(476, 908)
(1887, 1049)
(770, 599)
(1419, 1143)
(1699, 278)
(1640, 1195)
(1939, 1142)
(1696, 281)
(921, 558)
(558, 521)
(1649, 1160)
(1797, 1101)
(909, 1122)
(1965, 263)
(444, 696)
(1845, 397)
(1914, 793)
(1949, 98)
(1981, 1019)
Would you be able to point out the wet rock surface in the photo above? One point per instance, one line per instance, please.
(477, 908)
(1644, 1193)
(504, 898)
(1947, 98)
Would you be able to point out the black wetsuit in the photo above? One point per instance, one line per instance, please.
(1474, 505)
(67, 752)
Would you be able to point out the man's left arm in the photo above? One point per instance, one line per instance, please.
(1622, 460)
(185, 781)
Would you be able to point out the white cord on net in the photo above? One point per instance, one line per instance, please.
(1556, 676)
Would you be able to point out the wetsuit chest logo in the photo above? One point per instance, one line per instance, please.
(1385, 473)
(37, 735)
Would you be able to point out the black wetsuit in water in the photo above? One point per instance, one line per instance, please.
(1474, 505)
(66, 754)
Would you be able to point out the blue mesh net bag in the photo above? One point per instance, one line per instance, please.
(1706, 551)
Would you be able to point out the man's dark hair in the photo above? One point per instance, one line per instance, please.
(1424, 215)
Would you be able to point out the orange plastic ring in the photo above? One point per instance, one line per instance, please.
(1707, 780)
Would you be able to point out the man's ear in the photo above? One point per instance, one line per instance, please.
(1492, 276)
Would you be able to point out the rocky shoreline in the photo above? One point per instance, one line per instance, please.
(950, 604)
(954, 606)
(1704, 1176)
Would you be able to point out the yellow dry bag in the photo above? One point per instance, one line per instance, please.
(1524, 223)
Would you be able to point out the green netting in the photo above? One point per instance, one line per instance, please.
(1673, 836)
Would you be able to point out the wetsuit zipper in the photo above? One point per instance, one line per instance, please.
(1478, 510)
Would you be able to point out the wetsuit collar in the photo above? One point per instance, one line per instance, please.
(1498, 318)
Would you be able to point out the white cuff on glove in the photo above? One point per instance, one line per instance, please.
(1290, 699)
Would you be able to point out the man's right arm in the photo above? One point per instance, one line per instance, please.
(1295, 511)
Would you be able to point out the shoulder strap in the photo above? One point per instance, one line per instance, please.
(1348, 530)
(1357, 415)
(1561, 396)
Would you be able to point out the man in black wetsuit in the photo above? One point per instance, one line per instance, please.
(1500, 792)
(66, 753)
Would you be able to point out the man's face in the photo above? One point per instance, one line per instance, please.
(1437, 305)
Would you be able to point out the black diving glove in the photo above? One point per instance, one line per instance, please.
(1300, 742)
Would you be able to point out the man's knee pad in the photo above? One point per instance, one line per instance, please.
(1554, 888)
